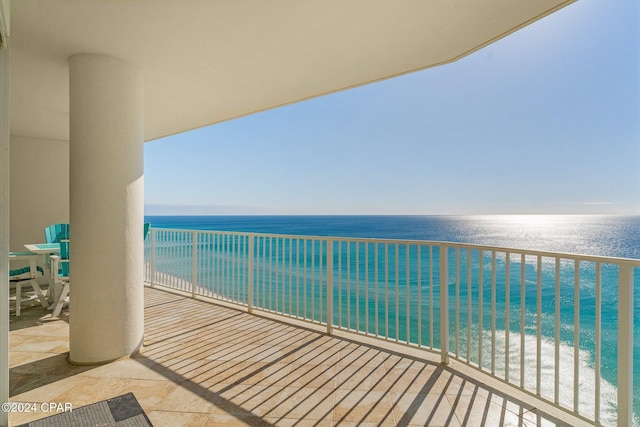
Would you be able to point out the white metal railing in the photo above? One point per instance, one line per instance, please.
(537, 320)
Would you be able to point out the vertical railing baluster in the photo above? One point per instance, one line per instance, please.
(320, 268)
(469, 305)
(625, 345)
(556, 344)
(419, 281)
(539, 326)
(386, 290)
(297, 277)
(329, 286)
(339, 283)
(194, 262)
(357, 284)
(275, 276)
(597, 361)
(493, 312)
(457, 337)
(313, 279)
(407, 277)
(522, 317)
(376, 274)
(250, 265)
(238, 254)
(480, 303)
(444, 304)
(507, 315)
(348, 285)
(291, 276)
(397, 285)
(431, 297)
(304, 289)
(576, 338)
(366, 287)
(154, 241)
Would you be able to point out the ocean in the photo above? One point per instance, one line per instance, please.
(612, 236)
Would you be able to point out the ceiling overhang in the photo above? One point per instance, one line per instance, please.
(206, 61)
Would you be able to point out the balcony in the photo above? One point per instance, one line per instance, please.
(208, 363)
(558, 327)
(282, 330)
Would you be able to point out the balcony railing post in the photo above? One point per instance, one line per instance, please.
(329, 286)
(444, 304)
(194, 263)
(250, 275)
(625, 345)
(152, 275)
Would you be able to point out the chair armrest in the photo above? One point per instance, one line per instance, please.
(26, 256)
(56, 260)
(16, 256)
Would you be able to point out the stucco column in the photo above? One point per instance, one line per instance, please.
(106, 209)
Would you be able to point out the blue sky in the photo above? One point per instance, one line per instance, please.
(546, 120)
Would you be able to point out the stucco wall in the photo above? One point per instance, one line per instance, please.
(39, 188)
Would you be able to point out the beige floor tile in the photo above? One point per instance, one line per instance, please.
(178, 419)
(236, 420)
(53, 329)
(431, 409)
(39, 388)
(233, 351)
(362, 424)
(453, 384)
(87, 390)
(304, 402)
(264, 374)
(293, 339)
(362, 378)
(210, 365)
(353, 355)
(54, 365)
(475, 410)
(294, 422)
(18, 358)
(248, 399)
(312, 376)
(217, 374)
(397, 361)
(149, 393)
(188, 399)
(268, 354)
(361, 407)
(318, 354)
(532, 419)
(414, 380)
(41, 344)
(129, 368)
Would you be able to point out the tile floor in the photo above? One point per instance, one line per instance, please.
(207, 364)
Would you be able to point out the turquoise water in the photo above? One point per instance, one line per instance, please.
(590, 235)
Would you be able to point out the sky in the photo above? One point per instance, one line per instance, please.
(544, 121)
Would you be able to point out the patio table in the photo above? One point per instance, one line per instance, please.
(46, 249)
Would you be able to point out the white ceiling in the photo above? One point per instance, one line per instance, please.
(206, 61)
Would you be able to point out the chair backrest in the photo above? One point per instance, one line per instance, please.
(64, 254)
(56, 232)
(146, 230)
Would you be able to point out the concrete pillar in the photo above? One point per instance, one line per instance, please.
(106, 209)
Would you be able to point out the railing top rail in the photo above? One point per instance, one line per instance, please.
(550, 254)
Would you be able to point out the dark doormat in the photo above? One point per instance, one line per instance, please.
(121, 411)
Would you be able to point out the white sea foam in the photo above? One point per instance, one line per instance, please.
(586, 371)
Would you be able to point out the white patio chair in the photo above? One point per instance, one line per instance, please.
(20, 277)
(60, 276)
